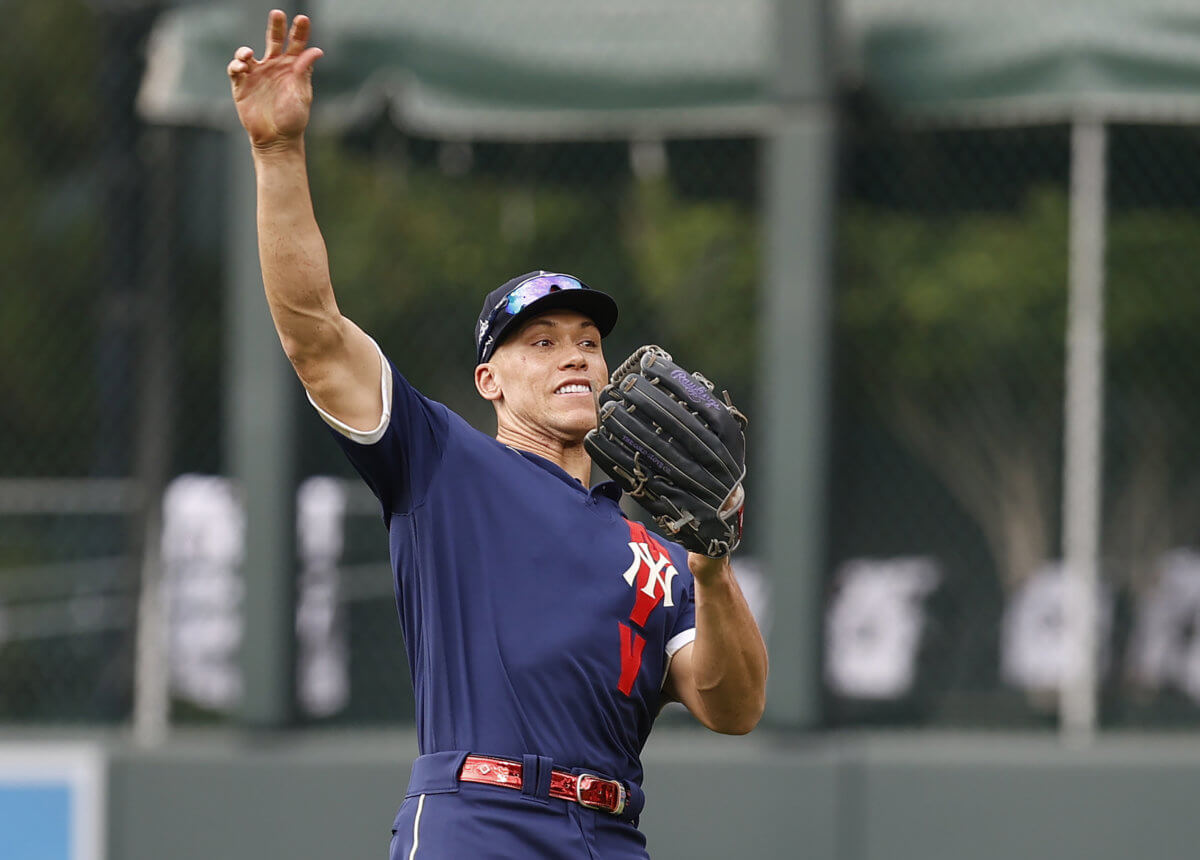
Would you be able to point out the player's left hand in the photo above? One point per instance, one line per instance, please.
(675, 448)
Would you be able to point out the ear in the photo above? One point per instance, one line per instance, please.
(487, 383)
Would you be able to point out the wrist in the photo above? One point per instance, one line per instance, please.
(707, 570)
(285, 148)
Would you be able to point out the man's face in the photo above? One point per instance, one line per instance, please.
(549, 374)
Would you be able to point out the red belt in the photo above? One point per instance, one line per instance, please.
(586, 789)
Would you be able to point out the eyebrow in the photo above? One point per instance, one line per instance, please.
(545, 323)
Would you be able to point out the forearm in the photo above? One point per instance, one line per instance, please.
(295, 265)
(338, 364)
(729, 658)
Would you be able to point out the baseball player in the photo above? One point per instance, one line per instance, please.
(544, 630)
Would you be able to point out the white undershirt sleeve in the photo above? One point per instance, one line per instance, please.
(365, 437)
(679, 640)
(674, 644)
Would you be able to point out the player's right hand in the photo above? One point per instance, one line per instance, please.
(273, 95)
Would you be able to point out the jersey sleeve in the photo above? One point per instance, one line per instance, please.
(399, 457)
(683, 630)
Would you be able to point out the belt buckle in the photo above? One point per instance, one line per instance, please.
(615, 806)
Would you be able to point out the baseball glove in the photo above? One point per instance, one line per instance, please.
(675, 448)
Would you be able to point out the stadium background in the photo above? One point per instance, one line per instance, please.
(917, 681)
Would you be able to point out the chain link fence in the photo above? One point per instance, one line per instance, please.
(68, 373)
(943, 601)
(949, 604)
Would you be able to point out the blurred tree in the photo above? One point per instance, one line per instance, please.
(956, 334)
(50, 236)
(1153, 381)
(697, 261)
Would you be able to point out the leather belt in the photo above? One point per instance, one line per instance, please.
(586, 789)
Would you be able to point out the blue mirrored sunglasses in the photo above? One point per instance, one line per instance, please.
(530, 291)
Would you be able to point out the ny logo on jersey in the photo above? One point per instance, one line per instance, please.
(650, 574)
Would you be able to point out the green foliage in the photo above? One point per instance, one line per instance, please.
(698, 263)
(963, 300)
(940, 304)
(1153, 304)
(48, 70)
(49, 232)
(954, 336)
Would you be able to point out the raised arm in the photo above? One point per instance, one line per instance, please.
(335, 360)
(722, 676)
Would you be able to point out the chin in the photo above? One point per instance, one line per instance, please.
(579, 428)
(583, 428)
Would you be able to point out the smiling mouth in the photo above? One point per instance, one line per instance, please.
(573, 388)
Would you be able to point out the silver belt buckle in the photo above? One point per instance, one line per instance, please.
(591, 804)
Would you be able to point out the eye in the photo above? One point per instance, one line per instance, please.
(543, 341)
(589, 343)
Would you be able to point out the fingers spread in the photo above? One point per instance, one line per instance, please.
(305, 63)
(298, 37)
(276, 25)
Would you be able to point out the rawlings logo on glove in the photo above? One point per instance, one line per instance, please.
(675, 448)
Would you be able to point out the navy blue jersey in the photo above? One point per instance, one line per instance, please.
(537, 618)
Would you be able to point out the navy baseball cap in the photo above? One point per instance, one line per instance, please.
(509, 305)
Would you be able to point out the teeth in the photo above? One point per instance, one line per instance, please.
(574, 389)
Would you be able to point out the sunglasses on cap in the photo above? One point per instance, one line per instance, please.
(518, 299)
(528, 292)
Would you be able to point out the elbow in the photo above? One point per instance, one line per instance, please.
(749, 721)
(741, 721)
(736, 729)
(304, 350)
(309, 349)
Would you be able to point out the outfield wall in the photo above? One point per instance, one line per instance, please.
(922, 796)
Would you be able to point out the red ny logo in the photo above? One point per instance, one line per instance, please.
(650, 574)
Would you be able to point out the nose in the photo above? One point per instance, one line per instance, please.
(575, 357)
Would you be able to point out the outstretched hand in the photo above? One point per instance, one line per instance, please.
(273, 95)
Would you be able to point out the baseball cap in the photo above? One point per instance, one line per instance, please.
(511, 304)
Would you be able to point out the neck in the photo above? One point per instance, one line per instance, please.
(571, 457)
